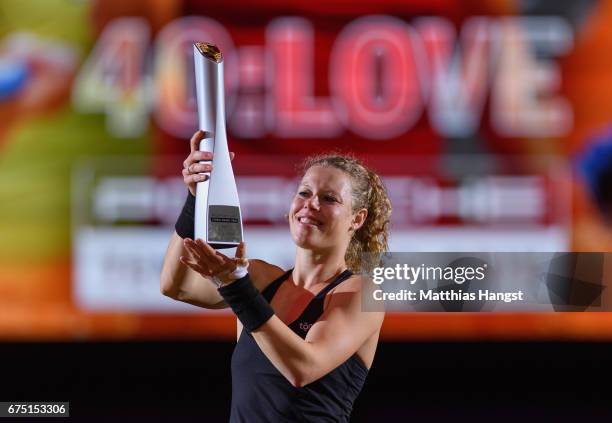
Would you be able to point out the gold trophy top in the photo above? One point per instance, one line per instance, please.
(210, 51)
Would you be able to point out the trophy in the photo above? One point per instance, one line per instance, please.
(217, 211)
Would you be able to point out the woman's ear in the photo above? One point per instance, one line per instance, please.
(359, 219)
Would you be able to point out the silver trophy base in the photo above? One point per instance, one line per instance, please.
(224, 226)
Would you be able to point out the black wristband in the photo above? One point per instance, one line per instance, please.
(251, 308)
(185, 221)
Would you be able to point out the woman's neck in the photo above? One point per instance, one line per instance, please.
(312, 267)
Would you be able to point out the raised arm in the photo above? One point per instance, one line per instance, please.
(177, 280)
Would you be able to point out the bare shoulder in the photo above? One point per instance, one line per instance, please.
(262, 273)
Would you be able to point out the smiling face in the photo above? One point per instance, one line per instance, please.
(321, 214)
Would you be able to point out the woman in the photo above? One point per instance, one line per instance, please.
(304, 345)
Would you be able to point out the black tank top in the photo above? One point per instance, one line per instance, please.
(260, 393)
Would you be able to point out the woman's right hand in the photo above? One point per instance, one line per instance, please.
(193, 170)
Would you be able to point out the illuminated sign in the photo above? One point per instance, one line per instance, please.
(384, 74)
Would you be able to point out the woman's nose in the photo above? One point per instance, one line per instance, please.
(312, 202)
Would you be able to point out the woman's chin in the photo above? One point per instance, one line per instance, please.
(304, 240)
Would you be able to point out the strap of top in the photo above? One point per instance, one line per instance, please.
(340, 278)
(271, 289)
(315, 308)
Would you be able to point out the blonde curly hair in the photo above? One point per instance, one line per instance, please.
(368, 192)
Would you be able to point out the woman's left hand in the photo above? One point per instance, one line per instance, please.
(210, 263)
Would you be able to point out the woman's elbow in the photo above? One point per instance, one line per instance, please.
(297, 382)
(301, 377)
(303, 369)
(167, 289)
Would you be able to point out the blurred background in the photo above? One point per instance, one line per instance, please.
(490, 122)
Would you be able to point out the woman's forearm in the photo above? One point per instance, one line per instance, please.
(181, 283)
(173, 271)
